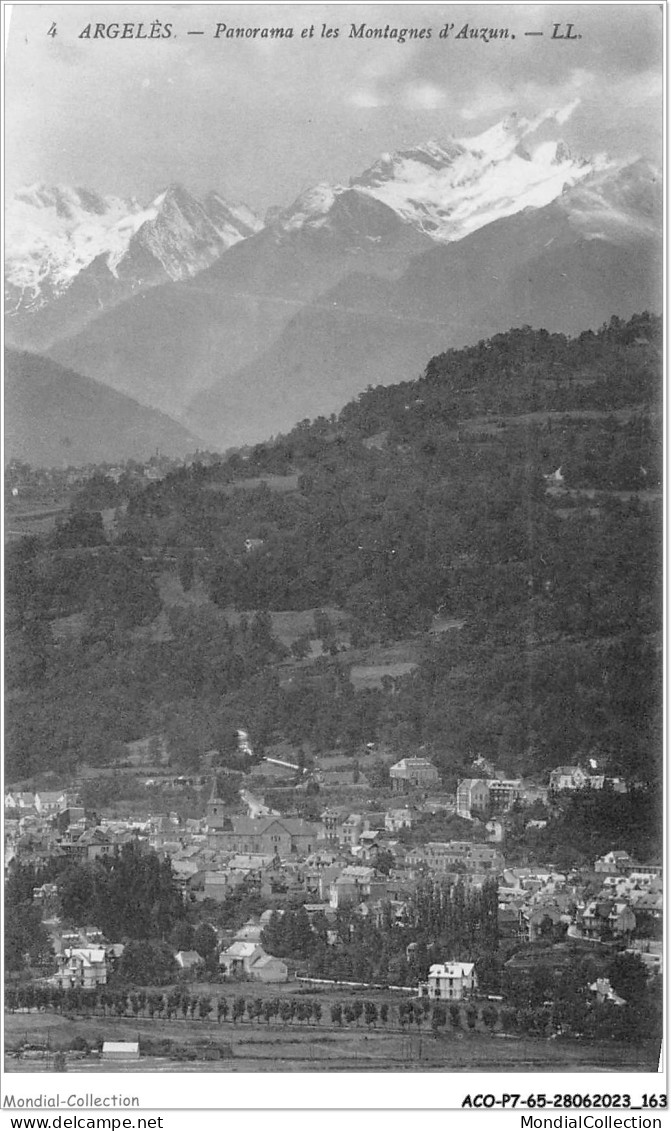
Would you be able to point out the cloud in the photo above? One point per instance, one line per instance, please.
(314, 110)
(541, 102)
(365, 99)
(565, 113)
(637, 90)
(416, 95)
(424, 96)
(488, 102)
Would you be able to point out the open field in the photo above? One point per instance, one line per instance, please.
(370, 665)
(371, 675)
(260, 1048)
(21, 521)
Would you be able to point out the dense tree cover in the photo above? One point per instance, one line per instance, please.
(82, 530)
(585, 824)
(575, 1009)
(393, 534)
(422, 498)
(147, 962)
(114, 587)
(79, 699)
(290, 934)
(205, 942)
(441, 924)
(26, 942)
(628, 976)
(130, 894)
(242, 903)
(100, 492)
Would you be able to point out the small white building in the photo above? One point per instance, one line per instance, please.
(121, 1050)
(449, 981)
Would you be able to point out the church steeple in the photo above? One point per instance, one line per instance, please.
(215, 807)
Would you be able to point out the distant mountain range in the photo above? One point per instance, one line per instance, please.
(240, 329)
(72, 253)
(594, 251)
(167, 345)
(56, 418)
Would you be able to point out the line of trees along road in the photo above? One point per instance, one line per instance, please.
(571, 1014)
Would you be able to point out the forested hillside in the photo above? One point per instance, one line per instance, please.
(501, 517)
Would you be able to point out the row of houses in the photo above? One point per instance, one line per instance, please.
(479, 796)
(84, 958)
(445, 857)
(537, 902)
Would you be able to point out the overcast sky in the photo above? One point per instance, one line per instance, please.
(261, 120)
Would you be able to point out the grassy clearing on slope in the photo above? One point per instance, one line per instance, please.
(372, 675)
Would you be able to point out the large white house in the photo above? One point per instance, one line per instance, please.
(83, 967)
(449, 981)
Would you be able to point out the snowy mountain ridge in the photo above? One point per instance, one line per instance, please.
(72, 255)
(53, 233)
(448, 190)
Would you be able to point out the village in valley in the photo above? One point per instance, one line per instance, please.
(359, 913)
(333, 586)
(322, 754)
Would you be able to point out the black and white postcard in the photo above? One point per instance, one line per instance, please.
(333, 585)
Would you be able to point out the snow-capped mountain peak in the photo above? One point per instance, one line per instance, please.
(449, 189)
(67, 202)
(53, 234)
